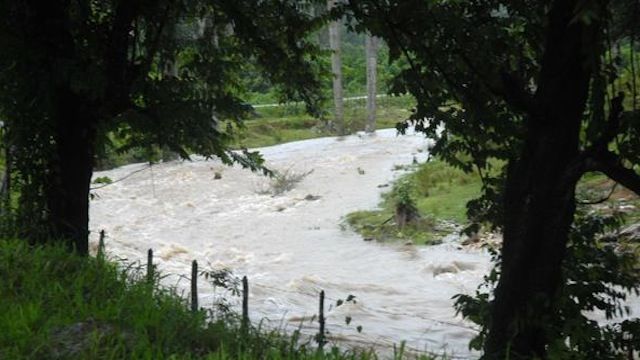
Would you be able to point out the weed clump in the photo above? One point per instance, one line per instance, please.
(103, 180)
(405, 208)
(282, 181)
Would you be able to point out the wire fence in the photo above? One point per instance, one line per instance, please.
(319, 296)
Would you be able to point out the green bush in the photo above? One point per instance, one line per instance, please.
(69, 306)
(103, 180)
(598, 275)
(405, 208)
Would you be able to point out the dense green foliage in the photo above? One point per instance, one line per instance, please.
(353, 69)
(600, 272)
(56, 305)
(77, 75)
(550, 89)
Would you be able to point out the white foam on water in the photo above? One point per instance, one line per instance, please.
(290, 247)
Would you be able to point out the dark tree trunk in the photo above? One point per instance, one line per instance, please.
(73, 120)
(68, 199)
(539, 196)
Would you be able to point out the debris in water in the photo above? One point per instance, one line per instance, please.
(310, 197)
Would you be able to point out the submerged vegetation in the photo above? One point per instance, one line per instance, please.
(282, 181)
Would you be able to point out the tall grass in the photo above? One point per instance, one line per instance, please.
(289, 122)
(54, 305)
(440, 193)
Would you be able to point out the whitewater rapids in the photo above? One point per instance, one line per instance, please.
(291, 246)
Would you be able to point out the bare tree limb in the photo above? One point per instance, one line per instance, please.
(610, 164)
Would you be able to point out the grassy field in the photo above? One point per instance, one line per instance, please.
(281, 124)
(54, 305)
(273, 125)
(438, 191)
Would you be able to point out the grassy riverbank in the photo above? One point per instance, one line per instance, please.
(438, 191)
(273, 125)
(281, 124)
(440, 194)
(58, 306)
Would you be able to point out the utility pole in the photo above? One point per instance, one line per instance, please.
(336, 69)
(371, 46)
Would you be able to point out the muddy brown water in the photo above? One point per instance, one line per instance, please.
(291, 246)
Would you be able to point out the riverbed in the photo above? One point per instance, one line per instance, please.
(292, 245)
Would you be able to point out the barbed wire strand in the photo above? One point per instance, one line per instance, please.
(443, 322)
(122, 178)
(181, 277)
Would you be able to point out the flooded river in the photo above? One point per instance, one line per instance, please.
(291, 246)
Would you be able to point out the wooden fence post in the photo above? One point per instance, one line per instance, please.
(150, 265)
(194, 286)
(321, 321)
(245, 305)
(100, 254)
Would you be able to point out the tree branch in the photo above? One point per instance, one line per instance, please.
(393, 30)
(612, 127)
(508, 88)
(610, 164)
(154, 45)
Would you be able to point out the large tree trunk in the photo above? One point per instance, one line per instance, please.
(371, 43)
(72, 132)
(68, 199)
(336, 69)
(73, 119)
(539, 200)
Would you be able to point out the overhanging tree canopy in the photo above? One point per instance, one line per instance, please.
(154, 72)
(549, 87)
